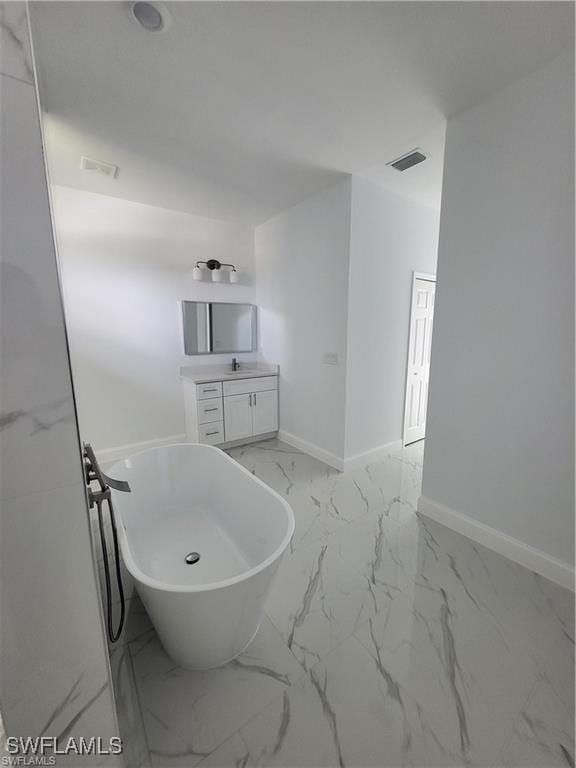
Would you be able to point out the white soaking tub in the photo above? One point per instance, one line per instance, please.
(191, 498)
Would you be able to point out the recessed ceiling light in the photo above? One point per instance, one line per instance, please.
(153, 17)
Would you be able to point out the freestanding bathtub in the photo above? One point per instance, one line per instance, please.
(190, 500)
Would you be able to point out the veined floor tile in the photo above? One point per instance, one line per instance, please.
(280, 466)
(135, 751)
(467, 676)
(533, 616)
(543, 735)
(373, 488)
(346, 712)
(188, 714)
(417, 647)
(312, 523)
(324, 500)
(318, 600)
(232, 754)
(374, 546)
(295, 476)
(292, 731)
(546, 626)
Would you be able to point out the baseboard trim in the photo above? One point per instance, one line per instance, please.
(312, 450)
(534, 559)
(371, 456)
(122, 451)
(247, 440)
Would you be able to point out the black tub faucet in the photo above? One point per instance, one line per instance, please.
(235, 364)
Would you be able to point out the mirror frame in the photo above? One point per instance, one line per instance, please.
(254, 330)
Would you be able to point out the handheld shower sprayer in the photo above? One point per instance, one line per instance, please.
(97, 498)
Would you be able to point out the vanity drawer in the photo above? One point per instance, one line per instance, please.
(213, 434)
(210, 410)
(246, 386)
(209, 389)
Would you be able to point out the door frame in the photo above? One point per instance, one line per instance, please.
(415, 276)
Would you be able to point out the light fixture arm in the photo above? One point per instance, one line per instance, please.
(215, 264)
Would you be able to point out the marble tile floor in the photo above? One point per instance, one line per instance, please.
(389, 641)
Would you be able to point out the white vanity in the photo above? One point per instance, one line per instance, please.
(225, 407)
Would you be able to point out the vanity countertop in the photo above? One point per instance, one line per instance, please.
(204, 373)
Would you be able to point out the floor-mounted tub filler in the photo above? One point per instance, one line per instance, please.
(202, 538)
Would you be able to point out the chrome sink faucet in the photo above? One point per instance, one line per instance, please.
(235, 364)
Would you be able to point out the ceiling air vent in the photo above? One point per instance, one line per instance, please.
(407, 161)
(96, 166)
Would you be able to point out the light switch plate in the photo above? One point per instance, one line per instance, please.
(330, 358)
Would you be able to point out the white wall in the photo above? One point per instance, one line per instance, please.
(125, 268)
(500, 419)
(391, 236)
(302, 293)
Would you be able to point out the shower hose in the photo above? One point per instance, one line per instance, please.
(112, 635)
(98, 498)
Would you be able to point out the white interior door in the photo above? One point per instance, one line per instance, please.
(265, 412)
(418, 372)
(237, 416)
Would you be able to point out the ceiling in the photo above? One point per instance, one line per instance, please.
(241, 109)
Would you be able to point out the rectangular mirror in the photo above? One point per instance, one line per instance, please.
(212, 328)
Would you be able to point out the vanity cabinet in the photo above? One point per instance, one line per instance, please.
(230, 411)
(250, 414)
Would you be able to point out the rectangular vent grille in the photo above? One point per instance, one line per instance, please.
(96, 166)
(407, 161)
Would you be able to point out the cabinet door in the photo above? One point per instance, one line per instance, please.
(237, 417)
(264, 412)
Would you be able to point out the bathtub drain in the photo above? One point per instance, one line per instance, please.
(192, 558)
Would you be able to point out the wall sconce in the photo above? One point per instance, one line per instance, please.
(215, 267)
